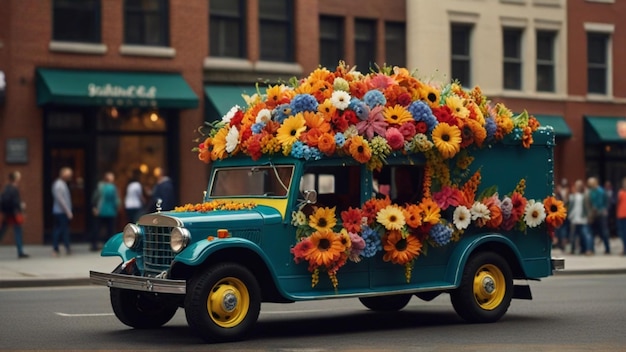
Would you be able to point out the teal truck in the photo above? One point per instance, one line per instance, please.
(379, 187)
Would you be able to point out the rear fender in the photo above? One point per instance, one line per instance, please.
(468, 245)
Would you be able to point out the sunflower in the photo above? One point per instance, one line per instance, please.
(391, 217)
(555, 211)
(447, 139)
(289, 132)
(534, 213)
(323, 219)
(400, 250)
(326, 250)
(360, 149)
(430, 95)
(397, 115)
(455, 104)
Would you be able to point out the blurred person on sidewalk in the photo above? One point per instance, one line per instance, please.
(561, 193)
(106, 203)
(12, 209)
(579, 208)
(599, 219)
(134, 199)
(62, 210)
(163, 197)
(621, 214)
(611, 197)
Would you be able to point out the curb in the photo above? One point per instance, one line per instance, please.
(44, 283)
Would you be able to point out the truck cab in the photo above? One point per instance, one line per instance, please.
(286, 226)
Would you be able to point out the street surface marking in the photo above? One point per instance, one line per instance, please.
(83, 315)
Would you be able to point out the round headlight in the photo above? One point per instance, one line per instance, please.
(179, 239)
(131, 235)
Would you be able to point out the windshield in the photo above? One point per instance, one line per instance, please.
(272, 181)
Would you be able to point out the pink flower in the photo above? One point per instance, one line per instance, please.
(408, 130)
(381, 81)
(395, 138)
(374, 124)
(447, 197)
(358, 244)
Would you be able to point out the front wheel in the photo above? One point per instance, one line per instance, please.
(223, 303)
(389, 303)
(142, 310)
(486, 289)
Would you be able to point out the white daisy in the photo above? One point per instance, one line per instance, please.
(480, 211)
(462, 217)
(298, 218)
(340, 99)
(534, 213)
(232, 139)
(263, 116)
(229, 115)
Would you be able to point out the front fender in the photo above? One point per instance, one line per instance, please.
(115, 247)
(198, 252)
(467, 246)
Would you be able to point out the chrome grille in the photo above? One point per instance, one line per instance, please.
(157, 253)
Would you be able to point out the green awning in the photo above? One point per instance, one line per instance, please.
(221, 98)
(602, 129)
(114, 88)
(560, 127)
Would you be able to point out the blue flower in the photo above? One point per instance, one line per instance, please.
(440, 234)
(360, 109)
(490, 127)
(340, 139)
(257, 127)
(422, 112)
(374, 98)
(372, 242)
(281, 112)
(303, 102)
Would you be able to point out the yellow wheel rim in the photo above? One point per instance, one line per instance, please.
(489, 287)
(228, 302)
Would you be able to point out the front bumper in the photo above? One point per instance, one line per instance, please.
(138, 283)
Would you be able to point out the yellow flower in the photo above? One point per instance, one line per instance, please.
(458, 108)
(359, 149)
(323, 219)
(447, 139)
(289, 132)
(397, 115)
(430, 95)
(391, 217)
(219, 143)
(431, 213)
(400, 250)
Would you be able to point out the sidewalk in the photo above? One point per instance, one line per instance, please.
(42, 269)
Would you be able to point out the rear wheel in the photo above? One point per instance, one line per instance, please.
(486, 289)
(386, 303)
(223, 303)
(142, 310)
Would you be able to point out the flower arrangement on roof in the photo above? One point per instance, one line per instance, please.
(365, 116)
(368, 117)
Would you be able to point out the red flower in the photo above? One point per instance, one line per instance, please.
(236, 119)
(404, 99)
(352, 219)
(408, 130)
(339, 122)
(444, 114)
(421, 127)
(351, 117)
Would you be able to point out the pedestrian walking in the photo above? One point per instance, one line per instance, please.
(134, 199)
(105, 202)
(61, 211)
(562, 193)
(579, 209)
(599, 219)
(612, 203)
(163, 197)
(12, 209)
(621, 214)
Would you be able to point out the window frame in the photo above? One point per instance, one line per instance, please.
(461, 58)
(395, 43)
(512, 62)
(595, 66)
(163, 15)
(337, 41)
(216, 17)
(274, 19)
(81, 5)
(549, 62)
(369, 44)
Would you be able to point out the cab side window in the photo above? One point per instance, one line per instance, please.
(402, 183)
(336, 186)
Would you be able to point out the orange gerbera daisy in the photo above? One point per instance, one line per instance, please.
(447, 139)
(413, 215)
(314, 120)
(555, 211)
(360, 149)
(431, 213)
(327, 248)
(326, 144)
(400, 250)
(327, 109)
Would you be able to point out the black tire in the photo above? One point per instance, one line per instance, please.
(486, 289)
(389, 303)
(142, 310)
(208, 295)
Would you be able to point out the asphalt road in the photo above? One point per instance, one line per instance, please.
(569, 313)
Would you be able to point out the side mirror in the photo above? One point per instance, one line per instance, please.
(310, 196)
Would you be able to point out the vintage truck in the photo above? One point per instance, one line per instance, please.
(379, 187)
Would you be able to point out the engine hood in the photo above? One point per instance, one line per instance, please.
(258, 216)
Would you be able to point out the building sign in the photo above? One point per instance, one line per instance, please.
(16, 151)
(123, 95)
